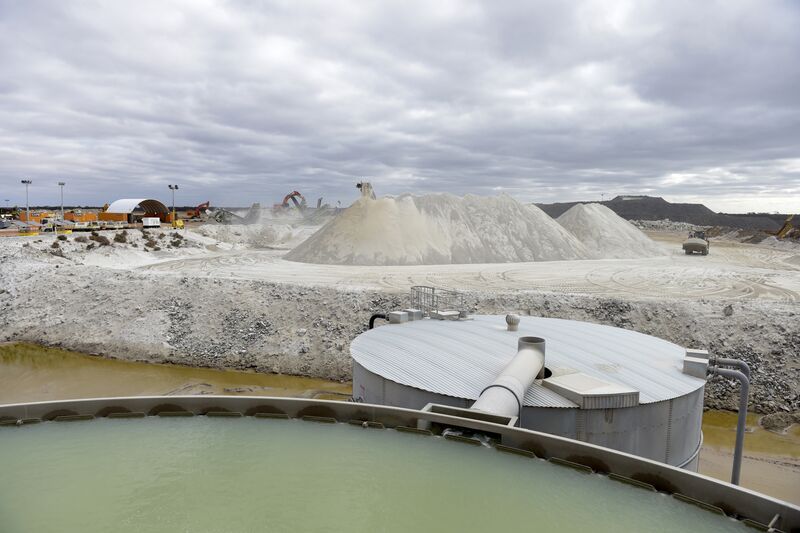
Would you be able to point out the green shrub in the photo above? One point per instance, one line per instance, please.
(100, 239)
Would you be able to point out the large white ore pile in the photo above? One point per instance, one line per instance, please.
(607, 235)
(439, 229)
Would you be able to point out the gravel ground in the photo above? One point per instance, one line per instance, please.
(287, 328)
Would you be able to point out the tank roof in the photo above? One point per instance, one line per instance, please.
(459, 358)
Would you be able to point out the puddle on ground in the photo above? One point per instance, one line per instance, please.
(31, 373)
(719, 431)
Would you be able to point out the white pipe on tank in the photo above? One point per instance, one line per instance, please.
(504, 395)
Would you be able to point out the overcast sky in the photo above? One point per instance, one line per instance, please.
(547, 101)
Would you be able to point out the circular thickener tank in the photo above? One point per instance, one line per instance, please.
(203, 474)
(603, 385)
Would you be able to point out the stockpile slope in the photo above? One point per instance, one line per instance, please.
(656, 208)
(439, 229)
(607, 235)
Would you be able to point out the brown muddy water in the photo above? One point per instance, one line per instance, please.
(30, 373)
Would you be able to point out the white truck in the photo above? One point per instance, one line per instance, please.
(151, 222)
(697, 242)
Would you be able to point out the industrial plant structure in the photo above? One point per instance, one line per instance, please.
(598, 384)
(383, 426)
(123, 210)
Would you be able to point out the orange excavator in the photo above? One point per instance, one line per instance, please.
(293, 197)
(197, 211)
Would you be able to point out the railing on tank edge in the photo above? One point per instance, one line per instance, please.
(427, 299)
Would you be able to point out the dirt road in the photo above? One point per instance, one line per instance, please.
(732, 271)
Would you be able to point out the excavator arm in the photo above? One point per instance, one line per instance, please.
(293, 196)
(786, 228)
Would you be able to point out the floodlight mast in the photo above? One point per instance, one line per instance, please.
(173, 188)
(61, 184)
(27, 205)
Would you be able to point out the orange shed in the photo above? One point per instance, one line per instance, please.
(80, 216)
(36, 216)
(113, 217)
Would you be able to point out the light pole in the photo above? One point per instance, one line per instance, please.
(61, 185)
(27, 205)
(173, 188)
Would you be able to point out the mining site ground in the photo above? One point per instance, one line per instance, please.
(732, 271)
(202, 302)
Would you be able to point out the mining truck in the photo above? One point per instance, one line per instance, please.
(696, 243)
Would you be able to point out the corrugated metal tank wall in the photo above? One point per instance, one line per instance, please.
(667, 431)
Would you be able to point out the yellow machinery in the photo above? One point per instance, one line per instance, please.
(786, 228)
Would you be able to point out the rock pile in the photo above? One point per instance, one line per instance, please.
(607, 235)
(439, 229)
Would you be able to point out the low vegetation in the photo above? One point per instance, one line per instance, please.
(121, 237)
(101, 240)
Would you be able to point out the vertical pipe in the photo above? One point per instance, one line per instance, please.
(376, 316)
(744, 392)
(736, 363)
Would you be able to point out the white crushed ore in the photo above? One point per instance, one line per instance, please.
(606, 234)
(789, 245)
(271, 234)
(667, 225)
(439, 229)
(116, 249)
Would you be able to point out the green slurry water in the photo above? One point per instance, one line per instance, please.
(247, 475)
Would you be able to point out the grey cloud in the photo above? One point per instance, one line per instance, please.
(548, 101)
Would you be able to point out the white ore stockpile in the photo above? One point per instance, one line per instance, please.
(261, 235)
(439, 229)
(607, 235)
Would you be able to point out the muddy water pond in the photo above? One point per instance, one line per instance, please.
(771, 462)
(30, 373)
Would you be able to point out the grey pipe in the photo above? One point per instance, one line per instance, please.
(375, 317)
(736, 363)
(744, 392)
(505, 394)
